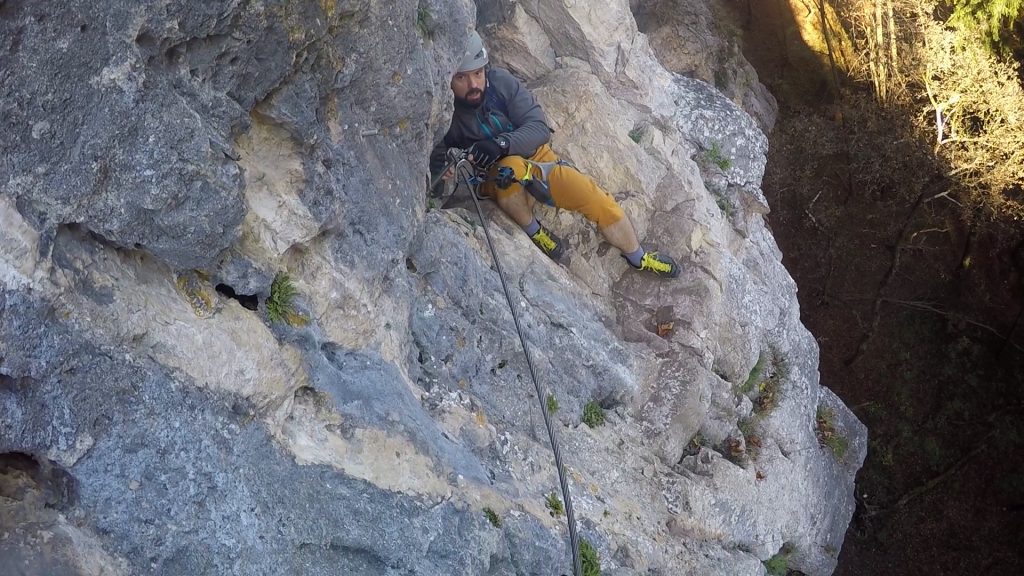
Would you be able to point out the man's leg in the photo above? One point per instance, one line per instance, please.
(515, 202)
(622, 235)
(518, 205)
(573, 190)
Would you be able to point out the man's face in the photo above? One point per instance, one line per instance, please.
(469, 86)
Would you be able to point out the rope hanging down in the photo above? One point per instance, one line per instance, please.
(465, 171)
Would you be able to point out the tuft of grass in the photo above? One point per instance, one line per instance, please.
(552, 403)
(554, 504)
(755, 374)
(715, 156)
(492, 517)
(768, 389)
(593, 414)
(635, 134)
(778, 565)
(589, 559)
(828, 436)
(281, 303)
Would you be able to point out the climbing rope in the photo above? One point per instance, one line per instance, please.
(465, 171)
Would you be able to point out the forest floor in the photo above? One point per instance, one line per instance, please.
(917, 311)
(913, 312)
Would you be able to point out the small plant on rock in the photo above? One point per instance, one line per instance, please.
(281, 303)
(755, 374)
(589, 559)
(778, 565)
(635, 134)
(768, 389)
(552, 404)
(492, 517)
(716, 157)
(593, 414)
(828, 436)
(554, 504)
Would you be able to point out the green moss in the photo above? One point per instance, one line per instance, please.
(636, 133)
(778, 565)
(589, 559)
(593, 414)
(552, 404)
(554, 504)
(492, 517)
(755, 374)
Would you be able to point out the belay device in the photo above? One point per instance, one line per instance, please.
(534, 181)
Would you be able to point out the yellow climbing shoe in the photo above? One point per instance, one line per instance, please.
(659, 264)
(548, 243)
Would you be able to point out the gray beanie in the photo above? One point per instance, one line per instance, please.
(476, 54)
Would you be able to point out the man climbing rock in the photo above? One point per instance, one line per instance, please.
(505, 132)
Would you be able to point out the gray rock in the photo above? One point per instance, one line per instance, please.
(175, 481)
(696, 39)
(181, 152)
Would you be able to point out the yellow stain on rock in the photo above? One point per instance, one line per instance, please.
(197, 292)
(330, 7)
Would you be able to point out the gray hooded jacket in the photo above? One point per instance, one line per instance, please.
(508, 108)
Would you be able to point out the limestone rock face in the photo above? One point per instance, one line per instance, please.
(163, 410)
(702, 40)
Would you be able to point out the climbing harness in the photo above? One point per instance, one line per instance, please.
(467, 172)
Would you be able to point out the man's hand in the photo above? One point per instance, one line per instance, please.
(483, 153)
(449, 173)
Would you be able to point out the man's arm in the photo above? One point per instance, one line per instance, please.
(525, 113)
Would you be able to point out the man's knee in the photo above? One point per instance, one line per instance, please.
(513, 191)
(604, 213)
(512, 197)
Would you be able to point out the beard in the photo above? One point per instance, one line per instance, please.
(473, 99)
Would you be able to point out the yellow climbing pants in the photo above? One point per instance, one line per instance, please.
(570, 188)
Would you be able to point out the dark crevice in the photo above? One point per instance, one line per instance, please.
(248, 301)
(56, 485)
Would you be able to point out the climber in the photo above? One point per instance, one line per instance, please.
(506, 133)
